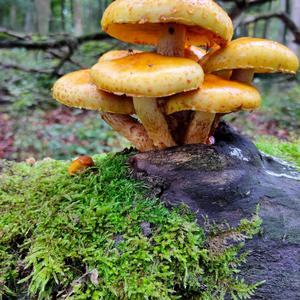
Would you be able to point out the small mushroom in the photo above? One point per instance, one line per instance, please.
(80, 164)
(77, 90)
(145, 77)
(216, 96)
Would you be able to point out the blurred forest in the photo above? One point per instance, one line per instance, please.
(41, 40)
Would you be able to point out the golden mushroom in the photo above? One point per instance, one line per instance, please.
(216, 96)
(247, 56)
(244, 57)
(76, 89)
(145, 77)
(168, 24)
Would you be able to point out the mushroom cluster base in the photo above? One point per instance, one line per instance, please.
(227, 181)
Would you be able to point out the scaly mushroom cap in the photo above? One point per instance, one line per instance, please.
(115, 54)
(140, 21)
(76, 90)
(260, 55)
(147, 75)
(216, 96)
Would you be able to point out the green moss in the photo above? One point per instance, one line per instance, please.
(289, 151)
(97, 236)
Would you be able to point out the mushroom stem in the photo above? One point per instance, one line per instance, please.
(154, 122)
(225, 74)
(199, 128)
(215, 124)
(131, 129)
(171, 43)
(243, 75)
(172, 40)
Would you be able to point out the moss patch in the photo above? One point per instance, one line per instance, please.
(289, 151)
(97, 236)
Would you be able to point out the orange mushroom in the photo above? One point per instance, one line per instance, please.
(216, 96)
(80, 164)
(145, 77)
(76, 89)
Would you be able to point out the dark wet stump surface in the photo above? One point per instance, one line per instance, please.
(226, 182)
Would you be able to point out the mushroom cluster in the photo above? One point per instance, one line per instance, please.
(177, 94)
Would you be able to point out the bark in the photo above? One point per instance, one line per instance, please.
(226, 182)
(43, 13)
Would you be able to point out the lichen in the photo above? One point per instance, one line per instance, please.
(97, 236)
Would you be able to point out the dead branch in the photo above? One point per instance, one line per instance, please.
(283, 17)
(52, 43)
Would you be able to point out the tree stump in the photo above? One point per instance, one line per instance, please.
(226, 182)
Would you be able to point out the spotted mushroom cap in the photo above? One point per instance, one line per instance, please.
(140, 21)
(76, 90)
(260, 55)
(147, 75)
(216, 95)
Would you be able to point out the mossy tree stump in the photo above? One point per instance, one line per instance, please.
(226, 182)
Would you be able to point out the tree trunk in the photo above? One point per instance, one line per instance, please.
(62, 15)
(13, 17)
(43, 11)
(295, 16)
(226, 182)
(77, 17)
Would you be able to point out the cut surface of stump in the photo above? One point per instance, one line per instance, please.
(226, 182)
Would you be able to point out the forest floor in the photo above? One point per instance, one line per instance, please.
(65, 132)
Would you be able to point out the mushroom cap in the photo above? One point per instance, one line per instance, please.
(147, 75)
(216, 96)
(115, 54)
(76, 90)
(140, 21)
(260, 55)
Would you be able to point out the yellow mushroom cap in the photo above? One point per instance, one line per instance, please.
(147, 75)
(140, 21)
(76, 90)
(216, 96)
(260, 55)
(115, 54)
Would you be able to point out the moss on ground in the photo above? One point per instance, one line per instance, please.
(97, 236)
(289, 151)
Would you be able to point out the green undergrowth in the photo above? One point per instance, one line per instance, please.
(98, 236)
(289, 151)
